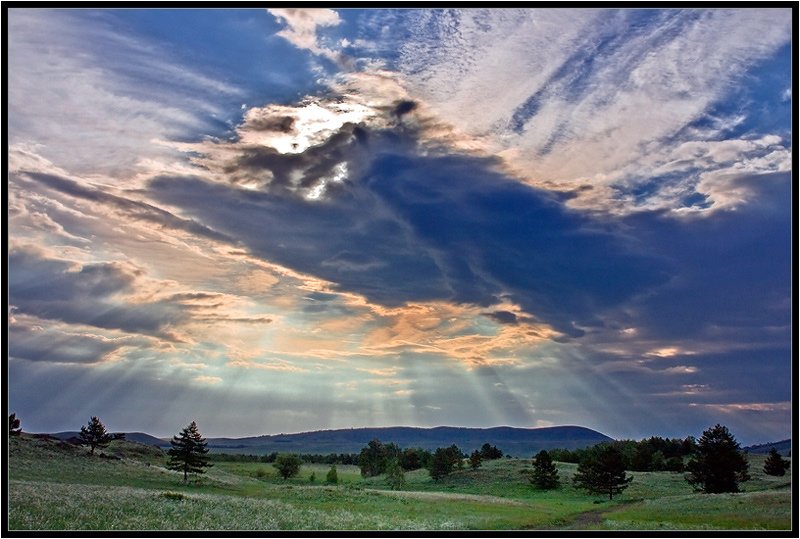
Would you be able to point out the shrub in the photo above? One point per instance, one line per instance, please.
(332, 478)
(288, 465)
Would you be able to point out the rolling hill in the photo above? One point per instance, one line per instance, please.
(139, 437)
(783, 447)
(518, 442)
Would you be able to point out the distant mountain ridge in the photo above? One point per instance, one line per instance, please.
(512, 440)
(515, 441)
(783, 447)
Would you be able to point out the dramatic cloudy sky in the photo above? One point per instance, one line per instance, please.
(285, 220)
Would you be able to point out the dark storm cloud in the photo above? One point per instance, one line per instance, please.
(289, 171)
(279, 123)
(732, 277)
(53, 289)
(504, 317)
(415, 228)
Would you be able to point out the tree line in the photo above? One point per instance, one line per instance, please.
(654, 454)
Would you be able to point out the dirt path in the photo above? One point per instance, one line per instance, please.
(594, 518)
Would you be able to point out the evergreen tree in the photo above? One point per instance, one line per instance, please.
(444, 460)
(658, 462)
(94, 434)
(288, 465)
(490, 452)
(372, 459)
(775, 465)
(545, 474)
(395, 477)
(674, 464)
(332, 477)
(188, 452)
(475, 459)
(411, 458)
(14, 428)
(602, 471)
(718, 465)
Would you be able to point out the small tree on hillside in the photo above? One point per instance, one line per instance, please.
(94, 434)
(14, 428)
(372, 459)
(718, 464)
(490, 452)
(288, 465)
(475, 459)
(395, 477)
(775, 465)
(332, 477)
(545, 474)
(188, 452)
(444, 460)
(602, 471)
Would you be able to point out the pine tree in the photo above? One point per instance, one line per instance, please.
(14, 428)
(395, 477)
(332, 477)
(602, 471)
(444, 460)
(372, 459)
(775, 465)
(718, 464)
(545, 474)
(94, 434)
(188, 452)
(475, 459)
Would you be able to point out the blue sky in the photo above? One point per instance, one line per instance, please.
(285, 220)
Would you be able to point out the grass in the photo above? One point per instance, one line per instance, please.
(54, 486)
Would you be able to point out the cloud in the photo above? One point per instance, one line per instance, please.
(425, 228)
(785, 406)
(207, 380)
(135, 209)
(56, 289)
(301, 27)
(596, 95)
(37, 340)
(92, 98)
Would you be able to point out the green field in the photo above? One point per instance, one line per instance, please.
(54, 486)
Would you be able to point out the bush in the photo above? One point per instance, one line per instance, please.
(288, 465)
(332, 478)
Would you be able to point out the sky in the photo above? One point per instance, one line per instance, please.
(287, 220)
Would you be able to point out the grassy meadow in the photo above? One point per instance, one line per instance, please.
(55, 486)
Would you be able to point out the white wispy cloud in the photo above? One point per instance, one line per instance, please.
(301, 27)
(91, 99)
(587, 97)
